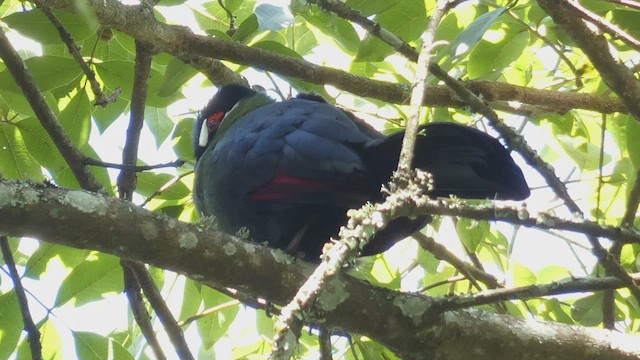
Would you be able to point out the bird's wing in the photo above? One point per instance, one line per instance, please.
(296, 151)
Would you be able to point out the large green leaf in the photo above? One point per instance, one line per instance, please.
(491, 57)
(474, 32)
(98, 275)
(149, 183)
(159, 123)
(175, 76)
(15, 160)
(10, 324)
(213, 326)
(76, 119)
(35, 25)
(92, 346)
(49, 72)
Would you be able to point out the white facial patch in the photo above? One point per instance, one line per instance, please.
(204, 134)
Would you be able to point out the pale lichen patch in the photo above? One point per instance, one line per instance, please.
(149, 230)
(229, 249)
(332, 295)
(188, 241)
(85, 202)
(412, 307)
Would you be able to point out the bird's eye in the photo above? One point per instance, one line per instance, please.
(214, 120)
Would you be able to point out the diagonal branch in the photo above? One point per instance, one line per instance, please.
(182, 43)
(22, 76)
(33, 334)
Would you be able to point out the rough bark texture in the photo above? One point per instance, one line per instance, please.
(409, 324)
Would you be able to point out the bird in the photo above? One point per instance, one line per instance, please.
(288, 171)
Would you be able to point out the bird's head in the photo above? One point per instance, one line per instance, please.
(216, 116)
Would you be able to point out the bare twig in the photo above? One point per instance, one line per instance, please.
(418, 88)
(604, 25)
(126, 186)
(532, 291)
(74, 50)
(614, 73)
(161, 309)
(472, 273)
(134, 168)
(47, 118)
(134, 295)
(33, 334)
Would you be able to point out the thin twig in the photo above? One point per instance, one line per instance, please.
(472, 273)
(604, 25)
(134, 168)
(532, 291)
(161, 309)
(74, 50)
(630, 3)
(33, 334)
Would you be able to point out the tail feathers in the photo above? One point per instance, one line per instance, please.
(463, 161)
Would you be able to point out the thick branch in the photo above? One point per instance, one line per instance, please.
(404, 322)
(182, 43)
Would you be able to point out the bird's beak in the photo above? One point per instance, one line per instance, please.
(204, 135)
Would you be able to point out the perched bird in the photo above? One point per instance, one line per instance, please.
(289, 171)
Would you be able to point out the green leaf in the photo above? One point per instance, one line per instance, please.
(94, 346)
(181, 139)
(494, 57)
(149, 183)
(406, 18)
(159, 123)
(552, 273)
(588, 310)
(15, 160)
(50, 340)
(469, 37)
(191, 299)
(338, 29)
(472, 232)
(45, 152)
(105, 116)
(213, 326)
(66, 70)
(370, 7)
(554, 310)
(76, 119)
(522, 275)
(39, 260)
(98, 275)
(277, 48)
(246, 29)
(10, 324)
(175, 76)
(35, 25)
(120, 74)
(372, 49)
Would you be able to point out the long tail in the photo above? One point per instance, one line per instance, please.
(464, 162)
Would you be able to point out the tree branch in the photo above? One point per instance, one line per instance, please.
(47, 118)
(182, 43)
(33, 334)
(408, 324)
(617, 76)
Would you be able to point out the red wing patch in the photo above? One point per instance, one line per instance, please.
(284, 186)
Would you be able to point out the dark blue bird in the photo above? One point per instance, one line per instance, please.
(289, 171)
